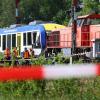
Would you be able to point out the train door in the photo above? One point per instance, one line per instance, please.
(85, 36)
(19, 43)
(85, 33)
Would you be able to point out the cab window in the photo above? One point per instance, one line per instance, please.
(79, 22)
(92, 21)
(95, 21)
(36, 40)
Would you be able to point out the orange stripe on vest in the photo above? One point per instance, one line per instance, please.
(26, 54)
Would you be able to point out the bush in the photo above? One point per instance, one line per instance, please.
(70, 89)
(81, 89)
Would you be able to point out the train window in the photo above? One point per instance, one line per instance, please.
(95, 21)
(70, 23)
(13, 40)
(34, 37)
(0, 41)
(87, 21)
(4, 42)
(24, 39)
(29, 42)
(79, 22)
(91, 21)
(9, 41)
(48, 33)
(56, 37)
(36, 40)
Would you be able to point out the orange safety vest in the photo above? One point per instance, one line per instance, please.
(7, 53)
(15, 53)
(26, 54)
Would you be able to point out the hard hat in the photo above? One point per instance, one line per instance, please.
(7, 48)
(25, 48)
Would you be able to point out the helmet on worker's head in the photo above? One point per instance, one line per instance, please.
(25, 48)
(15, 48)
(7, 48)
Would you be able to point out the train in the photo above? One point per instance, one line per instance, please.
(26, 36)
(87, 37)
(52, 38)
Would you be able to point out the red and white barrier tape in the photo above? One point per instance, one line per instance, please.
(49, 72)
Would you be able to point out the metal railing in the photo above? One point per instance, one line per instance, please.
(64, 40)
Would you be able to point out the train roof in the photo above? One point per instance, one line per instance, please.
(52, 26)
(25, 28)
(89, 16)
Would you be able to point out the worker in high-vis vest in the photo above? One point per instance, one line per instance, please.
(15, 52)
(15, 56)
(26, 54)
(31, 53)
(7, 54)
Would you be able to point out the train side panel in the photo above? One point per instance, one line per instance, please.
(94, 32)
(59, 38)
(65, 38)
(78, 37)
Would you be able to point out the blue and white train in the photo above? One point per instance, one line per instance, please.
(23, 37)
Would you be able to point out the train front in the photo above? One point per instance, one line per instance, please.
(39, 40)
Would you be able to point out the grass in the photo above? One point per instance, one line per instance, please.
(69, 89)
(72, 89)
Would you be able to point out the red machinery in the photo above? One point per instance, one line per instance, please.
(88, 29)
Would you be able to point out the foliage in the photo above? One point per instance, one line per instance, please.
(29, 10)
(1, 56)
(91, 6)
(7, 13)
(46, 10)
(42, 10)
(70, 89)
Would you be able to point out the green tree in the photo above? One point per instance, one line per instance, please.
(7, 12)
(29, 10)
(91, 6)
(54, 10)
(46, 10)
